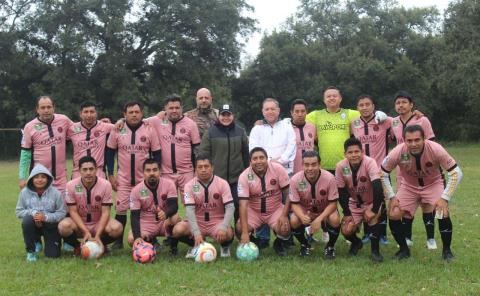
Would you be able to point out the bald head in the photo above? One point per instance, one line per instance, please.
(204, 98)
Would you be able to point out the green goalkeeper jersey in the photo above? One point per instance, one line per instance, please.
(332, 131)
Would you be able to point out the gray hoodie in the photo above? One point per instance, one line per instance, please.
(50, 203)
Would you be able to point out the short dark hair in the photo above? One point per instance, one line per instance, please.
(412, 129)
(87, 104)
(352, 142)
(172, 98)
(403, 94)
(131, 104)
(311, 153)
(333, 87)
(37, 100)
(203, 157)
(149, 161)
(86, 159)
(364, 96)
(298, 102)
(258, 149)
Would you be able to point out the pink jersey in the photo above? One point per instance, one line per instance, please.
(313, 197)
(398, 126)
(209, 201)
(91, 142)
(305, 135)
(358, 182)
(264, 193)
(134, 147)
(48, 145)
(421, 170)
(147, 200)
(374, 137)
(176, 140)
(89, 202)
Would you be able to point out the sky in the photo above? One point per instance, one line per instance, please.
(270, 14)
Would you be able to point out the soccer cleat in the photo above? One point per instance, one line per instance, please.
(366, 239)
(409, 241)
(225, 252)
(191, 253)
(325, 237)
(32, 257)
(383, 240)
(67, 247)
(304, 250)
(402, 254)
(447, 255)
(329, 253)
(38, 247)
(431, 244)
(289, 243)
(376, 257)
(279, 247)
(354, 248)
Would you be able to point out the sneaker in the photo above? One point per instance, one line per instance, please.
(409, 241)
(117, 245)
(325, 237)
(431, 244)
(402, 254)
(329, 253)
(447, 255)
(376, 257)
(67, 247)
(38, 247)
(354, 248)
(304, 250)
(279, 247)
(32, 257)
(225, 252)
(384, 240)
(191, 253)
(366, 239)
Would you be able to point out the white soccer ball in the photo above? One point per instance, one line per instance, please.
(91, 250)
(206, 252)
(247, 252)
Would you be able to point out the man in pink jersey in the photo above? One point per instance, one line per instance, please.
(209, 208)
(263, 197)
(89, 138)
(135, 142)
(178, 137)
(89, 199)
(375, 137)
(419, 161)
(153, 207)
(44, 142)
(361, 196)
(305, 132)
(313, 197)
(406, 117)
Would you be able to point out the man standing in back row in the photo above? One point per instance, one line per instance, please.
(204, 115)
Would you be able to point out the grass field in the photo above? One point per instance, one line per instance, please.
(423, 274)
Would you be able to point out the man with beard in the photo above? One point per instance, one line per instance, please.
(204, 115)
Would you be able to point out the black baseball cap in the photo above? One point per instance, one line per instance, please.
(226, 108)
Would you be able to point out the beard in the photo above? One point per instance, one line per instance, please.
(152, 182)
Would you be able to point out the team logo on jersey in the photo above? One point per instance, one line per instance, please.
(143, 193)
(96, 134)
(363, 179)
(429, 164)
(164, 197)
(376, 128)
(182, 130)
(216, 196)
(98, 198)
(310, 135)
(143, 139)
(343, 115)
(38, 126)
(60, 129)
(357, 123)
(77, 129)
(323, 192)
(123, 131)
(302, 185)
(196, 188)
(273, 182)
(404, 157)
(395, 123)
(164, 121)
(250, 177)
(78, 189)
(346, 171)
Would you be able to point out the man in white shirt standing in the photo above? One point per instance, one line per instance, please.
(277, 137)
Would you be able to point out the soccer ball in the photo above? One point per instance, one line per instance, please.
(91, 250)
(247, 252)
(206, 252)
(144, 252)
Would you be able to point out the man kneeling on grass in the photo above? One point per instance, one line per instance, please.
(89, 199)
(41, 207)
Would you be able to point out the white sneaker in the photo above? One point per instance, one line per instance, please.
(191, 253)
(431, 244)
(409, 242)
(225, 252)
(325, 237)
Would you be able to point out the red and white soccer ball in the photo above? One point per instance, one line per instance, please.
(91, 250)
(206, 252)
(144, 252)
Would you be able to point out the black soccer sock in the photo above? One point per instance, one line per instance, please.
(397, 229)
(299, 233)
(383, 222)
(72, 240)
(446, 228)
(107, 239)
(187, 240)
(366, 229)
(353, 238)
(374, 238)
(407, 229)
(333, 233)
(227, 243)
(173, 243)
(429, 222)
(123, 220)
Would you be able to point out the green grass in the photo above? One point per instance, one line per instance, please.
(423, 274)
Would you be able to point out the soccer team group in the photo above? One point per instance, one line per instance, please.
(289, 176)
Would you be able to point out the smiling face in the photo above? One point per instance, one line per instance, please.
(332, 99)
(354, 155)
(40, 181)
(225, 118)
(366, 108)
(271, 112)
(259, 162)
(45, 109)
(403, 106)
(311, 168)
